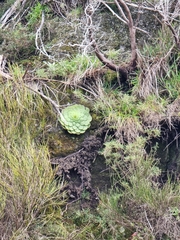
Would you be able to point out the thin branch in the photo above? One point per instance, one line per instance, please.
(113, 13)
(41, 48)
(89, 10)
(9, 13)
(176, 37)
(121, 19)
(125, 68)
(121, 11)
(132, 33)
(163, 9)
(55, 105)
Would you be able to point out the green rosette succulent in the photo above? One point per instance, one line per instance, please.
(75, 119)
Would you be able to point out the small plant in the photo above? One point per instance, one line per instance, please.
(76, 65)
(175, 212)
(35, 14)
(75, 119)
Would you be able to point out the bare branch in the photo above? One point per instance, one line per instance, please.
(175, 35)
(170, 15)
(121, 11)
(110, 9)
(127, 18)
(9, 13)
(54, 104)
(41, 48)
(132, 32)
(2, 68)
(169, 11)
(121, 19)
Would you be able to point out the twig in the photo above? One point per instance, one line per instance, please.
(132, 32)
(127, 18)
(38, 36)
(148, 222)
(2, 67)
(113, 13)
(9, 13)
(55, 105)
(121, 11)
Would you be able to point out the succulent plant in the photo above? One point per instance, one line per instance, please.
(75, 119)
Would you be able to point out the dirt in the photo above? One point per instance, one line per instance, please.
(76, 170)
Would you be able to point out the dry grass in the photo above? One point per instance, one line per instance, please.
(120, 113)
(153, 63)
(151, 72)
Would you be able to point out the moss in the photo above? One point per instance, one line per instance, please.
(110, 75)
(61, 144)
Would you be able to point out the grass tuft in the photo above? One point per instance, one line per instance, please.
(30, 198)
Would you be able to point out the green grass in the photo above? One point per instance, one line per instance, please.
(172, 82)
(75, 66)
(29, 195)
(138, 204)
(144, 204)
(35, 14)
(121, 113)
(160, 46)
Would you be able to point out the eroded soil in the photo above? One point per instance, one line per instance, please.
(76, 170)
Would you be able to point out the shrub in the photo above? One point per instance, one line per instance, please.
(17, 44)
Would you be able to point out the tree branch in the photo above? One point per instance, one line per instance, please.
(9, 13)
(123, 69)
(169, 11)
(132, 33)
(2, 68)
